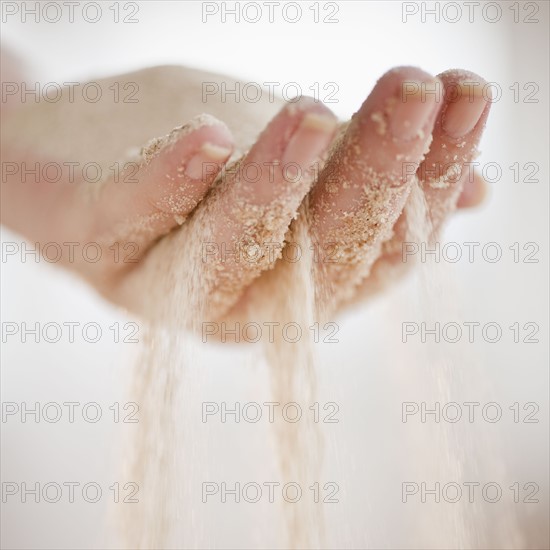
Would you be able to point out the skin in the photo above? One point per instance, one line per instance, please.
(173, 191)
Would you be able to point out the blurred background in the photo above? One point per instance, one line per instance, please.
(370, 372)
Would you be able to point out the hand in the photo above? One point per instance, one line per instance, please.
(355, 208)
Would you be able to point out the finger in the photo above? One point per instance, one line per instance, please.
(260, 195)
(363, 187)
(474, 192)
(457, 132)
(250, 207)
(121, 217)
(156, 192)
(445, 176)
(446, 172)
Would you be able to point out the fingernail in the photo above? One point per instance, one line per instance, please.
(308, 142)
(201, 163)
(463, 112)
(412, 112)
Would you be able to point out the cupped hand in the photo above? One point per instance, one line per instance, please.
(191, 219)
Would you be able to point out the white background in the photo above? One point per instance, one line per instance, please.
(370, 371)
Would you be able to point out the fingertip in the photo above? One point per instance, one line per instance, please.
(394, 124)
(458, 75)
(212, 130)
(182, 140)
(406, 71)
(467, 102)
(306, 104)
(196, 151)
(299, 134)
(474, 192)
(403, 81)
